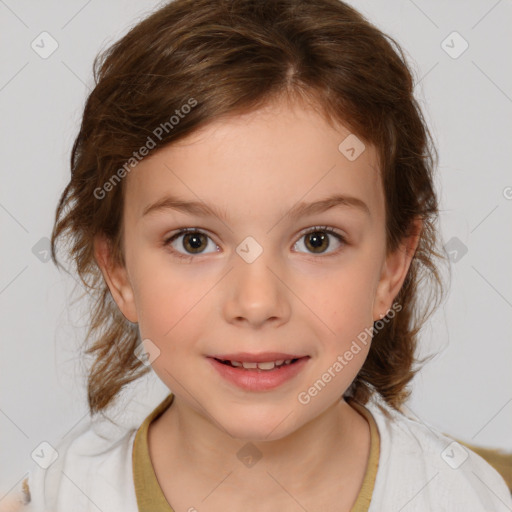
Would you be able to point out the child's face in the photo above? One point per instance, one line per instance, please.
(304, 295)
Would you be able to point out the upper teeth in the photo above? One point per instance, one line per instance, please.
(262, 366)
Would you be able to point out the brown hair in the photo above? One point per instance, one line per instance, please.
(235, 56)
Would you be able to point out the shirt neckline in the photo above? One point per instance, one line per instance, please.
(150, 497)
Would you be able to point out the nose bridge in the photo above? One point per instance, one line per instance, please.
(255, 293)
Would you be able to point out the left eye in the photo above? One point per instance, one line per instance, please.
(317, 239)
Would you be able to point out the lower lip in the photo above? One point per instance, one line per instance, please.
(259, 380)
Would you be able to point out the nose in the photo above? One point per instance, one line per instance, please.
(255, 293)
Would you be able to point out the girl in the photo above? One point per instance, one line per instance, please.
(252, 204)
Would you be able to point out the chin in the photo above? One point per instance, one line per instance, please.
(258, 426)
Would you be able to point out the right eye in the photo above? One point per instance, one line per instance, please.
(193, 242)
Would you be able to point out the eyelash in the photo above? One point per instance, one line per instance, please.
(326, 229)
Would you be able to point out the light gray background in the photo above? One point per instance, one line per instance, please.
(465, 391)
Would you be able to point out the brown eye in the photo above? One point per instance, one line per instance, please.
(318, 240)
(193, 242)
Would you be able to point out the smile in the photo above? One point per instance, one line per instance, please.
(261, 375)
(265, 366)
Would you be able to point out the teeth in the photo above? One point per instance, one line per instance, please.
(267, 365)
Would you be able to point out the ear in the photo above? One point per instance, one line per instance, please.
(116, 277)
(394, 271)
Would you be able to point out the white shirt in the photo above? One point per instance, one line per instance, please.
(420, 469)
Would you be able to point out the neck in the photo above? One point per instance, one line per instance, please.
(336, 442)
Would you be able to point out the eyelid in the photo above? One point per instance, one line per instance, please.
(329, 229)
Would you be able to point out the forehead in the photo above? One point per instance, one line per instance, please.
(262, 162)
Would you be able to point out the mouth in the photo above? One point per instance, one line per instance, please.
(258, 372)
(261, 366)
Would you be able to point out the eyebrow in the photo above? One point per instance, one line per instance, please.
(299, 210)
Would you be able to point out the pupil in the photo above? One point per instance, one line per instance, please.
(194, 240)
(316, 239)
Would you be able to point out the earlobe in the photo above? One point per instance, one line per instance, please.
(394, 272)
(116, 277)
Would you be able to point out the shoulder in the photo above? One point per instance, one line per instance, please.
(88, 470)
(420, 468)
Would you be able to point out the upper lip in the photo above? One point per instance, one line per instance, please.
(257, 358)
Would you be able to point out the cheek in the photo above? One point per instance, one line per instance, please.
(172, 314)
(343, 300)
(167, 302)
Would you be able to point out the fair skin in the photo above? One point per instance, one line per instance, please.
(255, 168)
